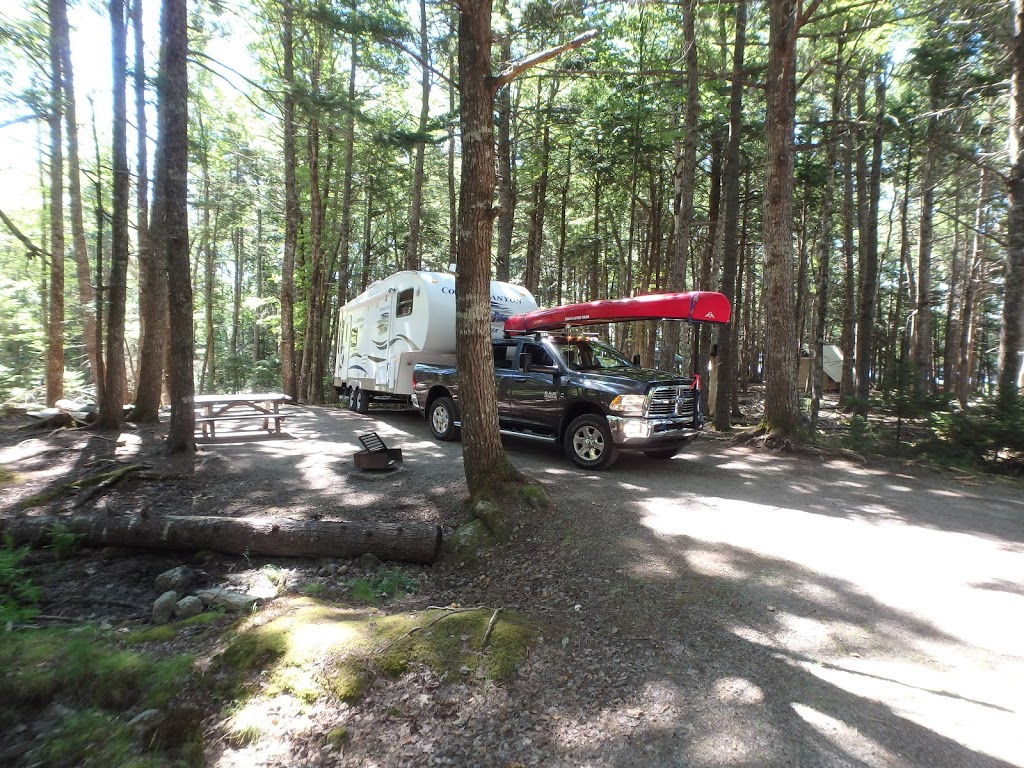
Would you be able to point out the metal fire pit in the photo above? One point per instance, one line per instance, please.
(375, 455)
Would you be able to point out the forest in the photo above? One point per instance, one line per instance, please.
(848, 172)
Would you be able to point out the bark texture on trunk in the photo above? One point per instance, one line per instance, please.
(273, 536)
(152, 264)
(1011, 335)
(55, 314)
(173, 164)
(781, 414)
(289, 379)
(82, 269)
(111, 414)
(685, 173)
(727, 335)
(482, 450)
(869, 189)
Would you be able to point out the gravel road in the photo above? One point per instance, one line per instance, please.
(728, 607)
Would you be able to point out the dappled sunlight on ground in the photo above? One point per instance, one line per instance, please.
(847, 738)
(893, 632)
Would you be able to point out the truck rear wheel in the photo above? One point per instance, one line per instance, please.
(588, 442)
(441, 417)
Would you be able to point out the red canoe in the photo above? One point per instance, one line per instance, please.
(695, 306)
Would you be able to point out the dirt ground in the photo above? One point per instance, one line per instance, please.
(728, 607)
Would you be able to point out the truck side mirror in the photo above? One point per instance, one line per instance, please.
(636, 360)
(524, 361)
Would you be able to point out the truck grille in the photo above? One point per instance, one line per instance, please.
(671, 402)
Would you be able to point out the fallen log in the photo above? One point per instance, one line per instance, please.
(274, 536)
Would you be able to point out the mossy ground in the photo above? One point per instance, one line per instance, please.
(309, 650)
(99, 684)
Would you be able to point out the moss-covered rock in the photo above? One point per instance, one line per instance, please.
(452, 643)
(467, 540)
(493, 516)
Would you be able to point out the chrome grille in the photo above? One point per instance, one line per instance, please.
(671, 402)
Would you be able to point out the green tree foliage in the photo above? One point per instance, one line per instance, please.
(596, 137)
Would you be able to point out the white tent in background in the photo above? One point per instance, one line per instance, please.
(832, 365)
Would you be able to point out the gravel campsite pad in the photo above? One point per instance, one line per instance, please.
(730, 606)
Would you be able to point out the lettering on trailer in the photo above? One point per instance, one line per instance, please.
(495, 297)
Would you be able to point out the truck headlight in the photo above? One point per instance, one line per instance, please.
(637, 428)
(628, 403)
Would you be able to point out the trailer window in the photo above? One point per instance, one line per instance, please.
(404, 307)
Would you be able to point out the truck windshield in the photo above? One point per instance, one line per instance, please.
(585, 354)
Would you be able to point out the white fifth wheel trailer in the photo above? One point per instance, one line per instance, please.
(402, 320)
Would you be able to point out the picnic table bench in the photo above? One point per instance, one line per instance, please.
(261, 406)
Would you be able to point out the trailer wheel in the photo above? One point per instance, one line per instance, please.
(441, 417)
(588, 442)
(360, 401)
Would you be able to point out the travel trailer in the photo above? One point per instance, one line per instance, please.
(402, 320)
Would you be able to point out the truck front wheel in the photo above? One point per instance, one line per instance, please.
(588, 442)
(441, 417)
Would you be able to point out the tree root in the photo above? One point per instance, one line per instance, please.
(102, 483)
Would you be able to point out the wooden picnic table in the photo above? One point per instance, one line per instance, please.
(264, 406)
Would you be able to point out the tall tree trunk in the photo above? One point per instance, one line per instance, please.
(310, 385)
(563, 227)
(781, 415)
(238, 248)
(538, 209)
(101, 219)
(1011, 334)
(171, 204)
(701, 353)
(922, 352)
(347, 171)
(152, 267)
(85, 293)
(728, 335)
(367, 254)
(482, 452)
(453, 193)
(869, 191)
(848, 335)
(825, 241)
(412, 243)
(111, 415)
(257, 345)
(506, 177)
(951, 340)
(55, 304)
(684, 179)
(965, 383)
(291, 207)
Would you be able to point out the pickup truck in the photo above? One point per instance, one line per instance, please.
(576, 391)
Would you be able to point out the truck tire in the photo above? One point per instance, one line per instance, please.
(360, 401)
(588, 442)
(441, 418)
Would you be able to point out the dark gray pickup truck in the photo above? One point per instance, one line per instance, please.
(576, 391)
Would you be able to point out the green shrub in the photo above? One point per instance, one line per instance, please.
(385, 582)
(990, 436)
(18, 595)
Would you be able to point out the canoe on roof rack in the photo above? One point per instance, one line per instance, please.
(692, 306)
